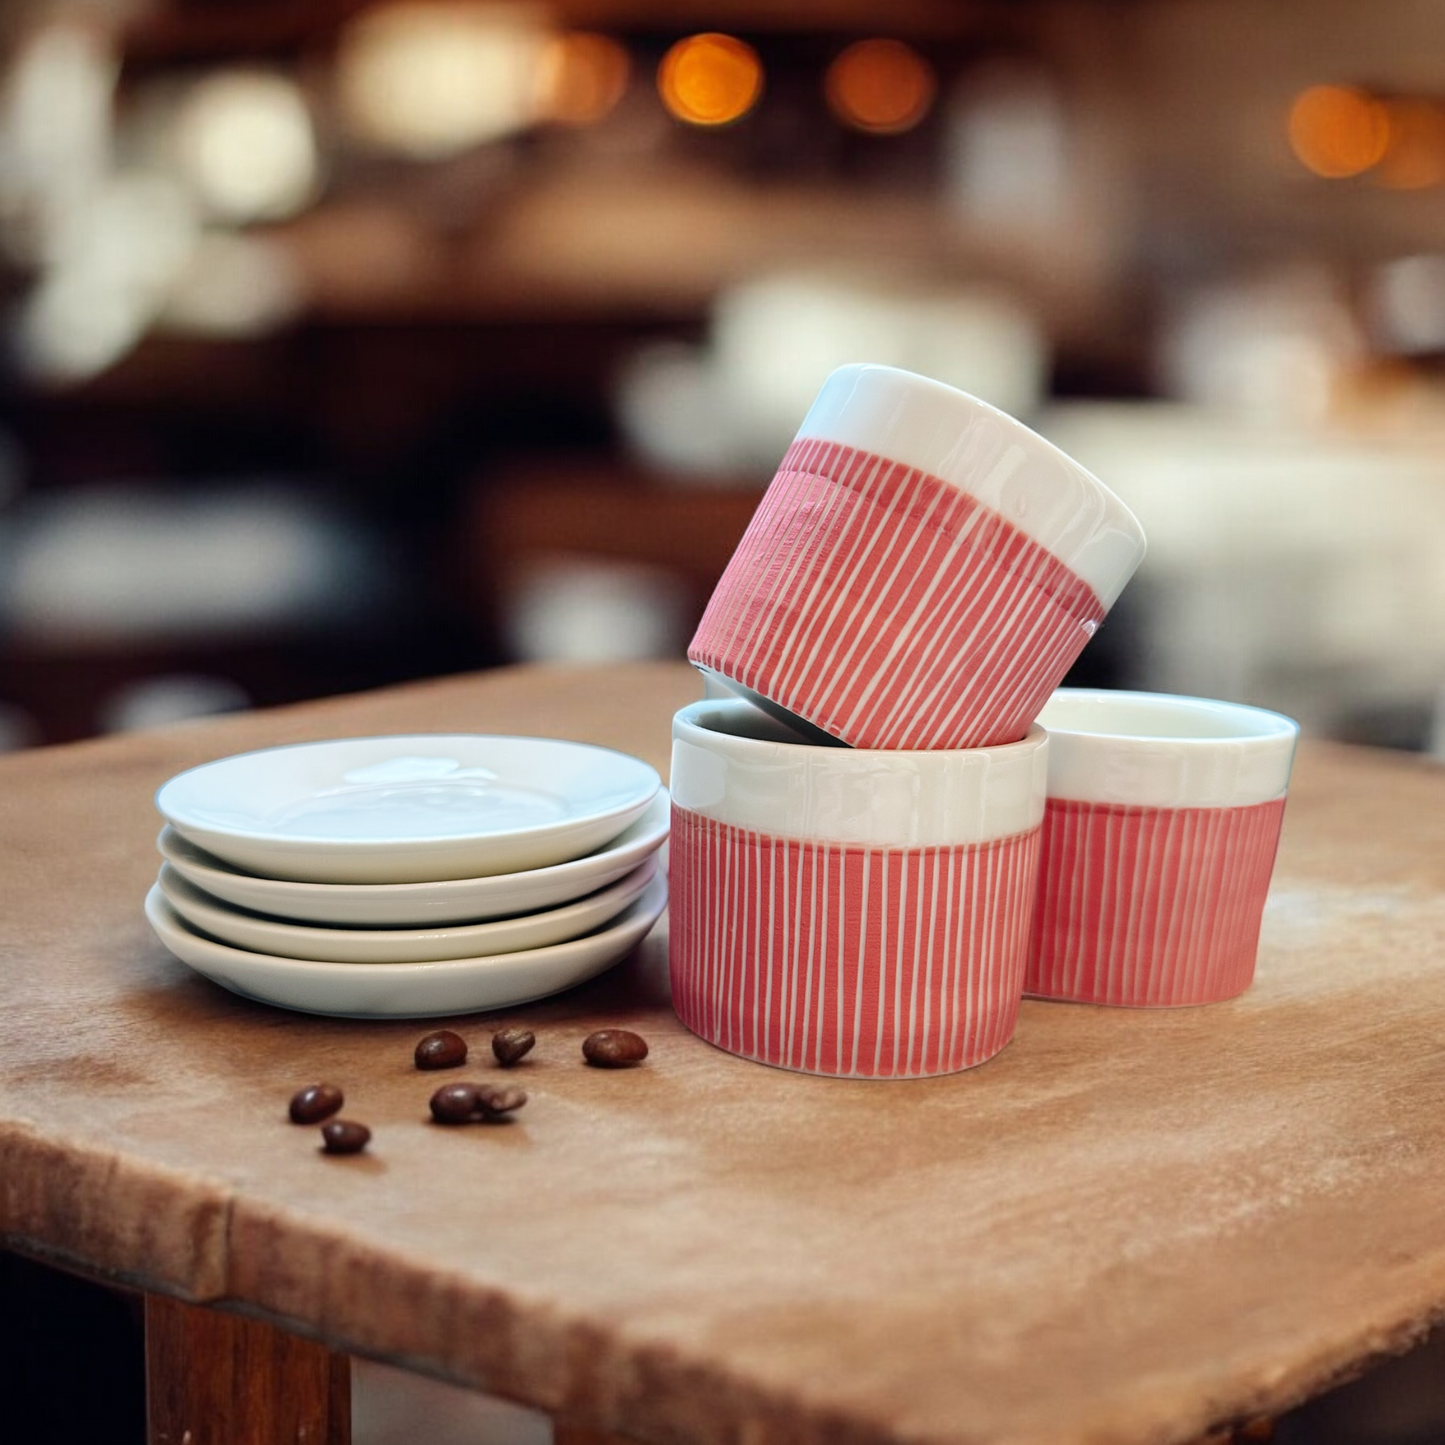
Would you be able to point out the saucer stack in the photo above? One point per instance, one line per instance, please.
(409, 877)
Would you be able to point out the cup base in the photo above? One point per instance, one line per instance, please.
(786, 1068)
(1139, 1006)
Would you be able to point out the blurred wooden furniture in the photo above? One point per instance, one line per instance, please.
(1130, 1227)
(218, 1377)
(533, 513)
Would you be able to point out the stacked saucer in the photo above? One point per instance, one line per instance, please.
(409, 877)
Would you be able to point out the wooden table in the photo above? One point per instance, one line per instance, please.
(1127, 1228)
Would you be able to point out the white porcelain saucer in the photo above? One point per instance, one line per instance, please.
(417, 905)
(407, 990)
(408, 809)
(400, 945)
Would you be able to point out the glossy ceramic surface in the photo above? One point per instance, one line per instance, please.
(1157, 847)
(1010, 468)
(920, 574)
(843, 912)
(408, 809)
(1150, 906)
(415, 905)
(400, 945)
(844, 959)
(737, 765)
(1159, 750)
(407, 990)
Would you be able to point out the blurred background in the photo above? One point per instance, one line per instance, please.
(347, 341)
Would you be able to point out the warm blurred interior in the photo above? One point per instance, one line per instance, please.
(357, 340)
(348, 341)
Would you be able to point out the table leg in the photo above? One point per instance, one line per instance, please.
(1256, 1432)
(219, 1379)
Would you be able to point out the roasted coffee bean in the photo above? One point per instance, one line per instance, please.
(454, 1103)
(315, 1102)
(510, 1045)
(614, 1048)
(441, 1050)
(496, 1101)
(344, 1136)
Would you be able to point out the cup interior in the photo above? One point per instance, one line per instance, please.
(737, 718)
(726, 717)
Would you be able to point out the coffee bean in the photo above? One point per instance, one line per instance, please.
(614, 1048)
(441, 1050)
(315, 1102)
(509, 1045)
(496, 1101)
(344, 1136)
(454, 1103)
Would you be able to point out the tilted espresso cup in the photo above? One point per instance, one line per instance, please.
(921, 572)
(843, 911)
(1159, 839)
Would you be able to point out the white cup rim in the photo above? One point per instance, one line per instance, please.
(839, 756)
(1165, 750)
(868, 797)
(1229, 721)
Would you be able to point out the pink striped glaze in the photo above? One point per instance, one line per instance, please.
(892, 609)
(830, 959)
(1150, 906)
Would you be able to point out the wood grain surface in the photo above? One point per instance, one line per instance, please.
(214, 1378)
(1127, 1228)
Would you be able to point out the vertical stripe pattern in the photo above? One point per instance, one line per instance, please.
(892, 609)
(845, 960)
(1149, 906)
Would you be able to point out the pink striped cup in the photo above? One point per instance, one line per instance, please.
(1159, 839)
(845, 912)
(920, 574)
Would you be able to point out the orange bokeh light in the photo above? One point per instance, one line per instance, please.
(710, 79)
(1415, 155)
(1338, 131)
(583, 77)
(883, 86)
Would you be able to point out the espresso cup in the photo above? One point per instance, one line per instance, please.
(1158, 842)
(844, 911)
(920, 574)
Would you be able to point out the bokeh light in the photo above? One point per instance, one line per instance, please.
(56, 144)
(431, 80)
(235, 285)
(109, 278)
(882, 86)
(1415, 155)
(1338, 131)
(710, 79)
(247, 145)
(583, 77)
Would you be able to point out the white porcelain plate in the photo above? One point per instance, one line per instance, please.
(407, 990)
(422, 905)
(400, 945)
(408, 809)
